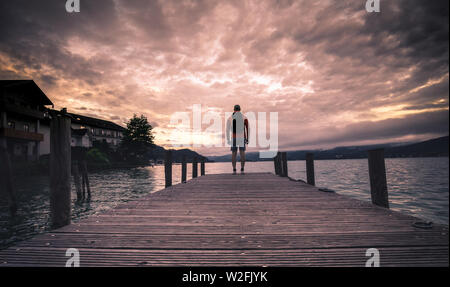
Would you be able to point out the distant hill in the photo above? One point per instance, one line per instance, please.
(158, 153)
(431, 148)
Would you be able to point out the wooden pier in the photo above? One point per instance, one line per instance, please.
(239, 220)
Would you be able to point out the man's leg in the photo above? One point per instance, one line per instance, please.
(242, 154)
(233, 159)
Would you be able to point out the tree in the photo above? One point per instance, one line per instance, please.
(138, 138)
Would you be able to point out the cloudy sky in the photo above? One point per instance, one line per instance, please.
(336, 74)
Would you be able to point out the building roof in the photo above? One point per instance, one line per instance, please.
(94, 122)
(30, 89)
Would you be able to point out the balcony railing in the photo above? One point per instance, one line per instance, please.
(12, 133)
(23, 111)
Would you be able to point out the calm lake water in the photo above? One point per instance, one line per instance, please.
(417, 186)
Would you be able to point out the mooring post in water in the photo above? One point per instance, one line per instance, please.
(77, 180)
(285, 164)
(202, 167)
(194, 167)
(378, 182)
(183, 169)
(84, 172)
(60, 166)
(168, 168)
(6, 180)
(83, 181)
(310, 177)
(6, 175)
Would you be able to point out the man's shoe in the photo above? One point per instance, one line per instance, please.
(242, 170)
(234, 171)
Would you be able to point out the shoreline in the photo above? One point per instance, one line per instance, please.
(352, 158)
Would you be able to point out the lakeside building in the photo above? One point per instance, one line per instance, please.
(87, 130)
(25, 122)
(22, 109)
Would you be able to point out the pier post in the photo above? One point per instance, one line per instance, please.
(77, 180)
(194, 167)
(168, 168)
(275, 165)
(83, 182)
(85, 176)
(378, 182)
(6, 177)
(285, 164)
(202, 167)
(183, 169)
(60, 166)
(310, 177)
(279, 169)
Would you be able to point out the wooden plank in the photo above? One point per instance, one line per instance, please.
(391, 256)
(226, 241)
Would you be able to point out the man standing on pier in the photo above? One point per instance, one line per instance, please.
(237, 136)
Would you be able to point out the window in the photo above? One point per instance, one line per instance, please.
(11, 125)
(26, 127)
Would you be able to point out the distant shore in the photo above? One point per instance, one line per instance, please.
(432, 148)
(354, 158)
(41, 168)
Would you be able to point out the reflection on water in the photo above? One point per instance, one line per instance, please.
(416, 186)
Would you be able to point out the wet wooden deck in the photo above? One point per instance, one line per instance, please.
(242, 220)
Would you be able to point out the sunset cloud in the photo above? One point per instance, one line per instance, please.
(335, 73)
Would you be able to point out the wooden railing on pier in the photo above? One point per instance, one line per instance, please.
(377, 173)
(168, 168)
